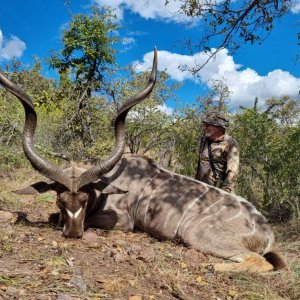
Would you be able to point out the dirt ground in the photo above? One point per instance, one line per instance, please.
(36, 262)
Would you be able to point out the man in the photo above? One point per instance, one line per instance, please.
(218, 154)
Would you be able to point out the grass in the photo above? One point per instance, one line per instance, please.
(7, 281)
(46, 198)
(56, 261)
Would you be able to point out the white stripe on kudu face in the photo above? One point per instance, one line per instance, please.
(74, 215)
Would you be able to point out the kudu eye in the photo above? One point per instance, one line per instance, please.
(84, 202)
(61, 202)
(83, 199)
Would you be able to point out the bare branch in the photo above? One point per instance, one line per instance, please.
(235, 22)
(55, 154)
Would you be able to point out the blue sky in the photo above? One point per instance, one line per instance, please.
(33, 27)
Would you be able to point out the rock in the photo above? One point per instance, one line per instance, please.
(8, 229)
(26, 237)
(6, 216)
(90, 237)
(13, 292)
(119, 257)
(193, 257)
(70, 261)
(147, 255)
(77, 280)
(135, 298)
(119, 243)
(134, 249)
(3, 287)
(67, 297)
(79, 283)
(43, 297)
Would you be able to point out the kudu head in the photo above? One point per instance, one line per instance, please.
(74, 186)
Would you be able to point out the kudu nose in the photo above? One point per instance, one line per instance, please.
(72, 235)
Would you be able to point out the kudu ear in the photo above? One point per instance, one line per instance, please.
(37, 188)
(107, 188)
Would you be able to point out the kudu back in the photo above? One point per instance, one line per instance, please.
(135, 192)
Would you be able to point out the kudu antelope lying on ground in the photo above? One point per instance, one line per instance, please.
(137, 193)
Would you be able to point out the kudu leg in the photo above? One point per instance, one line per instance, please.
(243, 259)
(250, 262)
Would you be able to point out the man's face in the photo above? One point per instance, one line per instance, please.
(212, 130)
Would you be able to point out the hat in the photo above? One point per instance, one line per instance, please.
(215, 119)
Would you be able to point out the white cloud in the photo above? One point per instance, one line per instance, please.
(245, 84)
(166, 109)
(10, 48)
(138, 33)
(128, 43)
(169, 61)
(154, 9)
(295, 6)
(128, 40)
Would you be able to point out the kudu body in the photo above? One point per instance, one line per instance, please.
(136, 193)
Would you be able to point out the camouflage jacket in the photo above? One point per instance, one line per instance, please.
(225, 154)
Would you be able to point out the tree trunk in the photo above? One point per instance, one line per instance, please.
(88, 138)
(91, 138)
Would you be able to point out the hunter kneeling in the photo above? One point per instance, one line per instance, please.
(218, 154)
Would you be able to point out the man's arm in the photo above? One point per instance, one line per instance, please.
(233, 161)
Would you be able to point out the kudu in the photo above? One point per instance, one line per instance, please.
(137, 193)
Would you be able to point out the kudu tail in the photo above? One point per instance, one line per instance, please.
(276, 260)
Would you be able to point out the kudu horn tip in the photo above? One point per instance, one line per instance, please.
(154, 67)
(155, 53)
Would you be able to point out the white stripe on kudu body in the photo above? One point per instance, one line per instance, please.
(151, 195)
(170, 212)
(142, 193)
(187, 210)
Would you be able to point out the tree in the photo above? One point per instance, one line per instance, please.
(147, 125)
(43, 92)
(231, 22)
(269, 142)
(86, 57)
(217, 99)
(186, 131)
